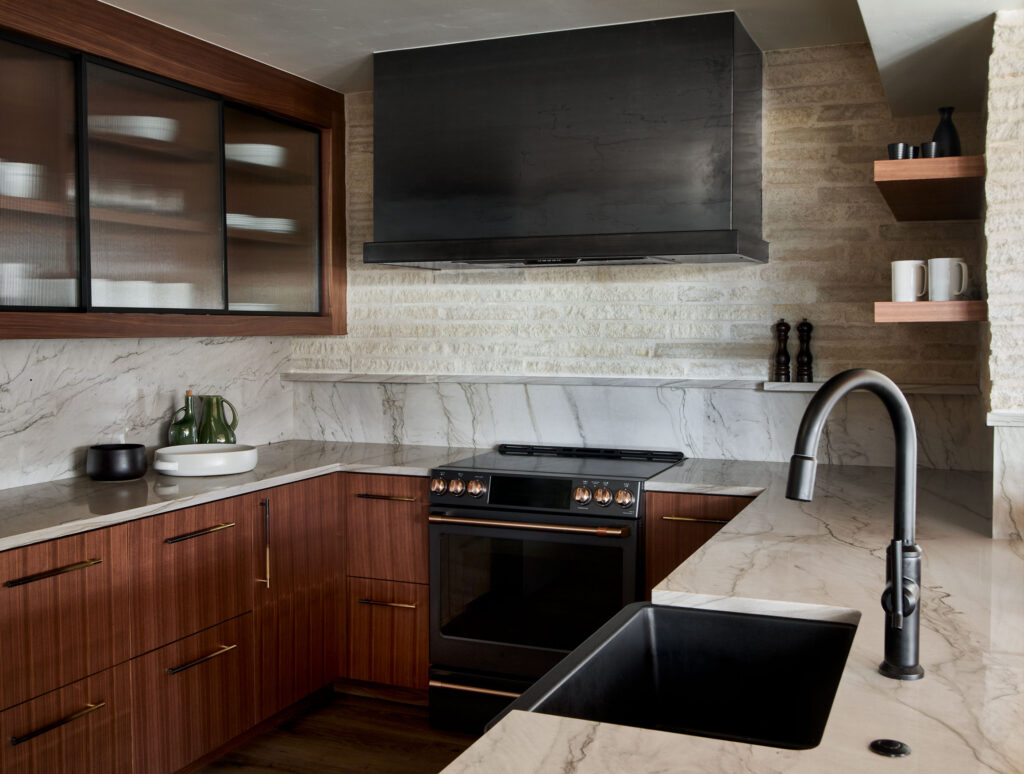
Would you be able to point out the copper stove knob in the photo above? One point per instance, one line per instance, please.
(438, 486)
(456, 487)
(602, 496)
(476, 487)
(581, 495)
(624, 498)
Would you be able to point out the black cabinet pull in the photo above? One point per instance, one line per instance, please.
(200, 533)
(51, 573)
(201, 660)
(88, 708)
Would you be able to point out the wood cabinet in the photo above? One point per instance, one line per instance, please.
(386, 535)
(296, 563)
(388, 636)
(948, 188)
(83, 728)
(190, 569)
(165, 249)
(192, 696)
(386, 543)
(62, 606)
(677, 524)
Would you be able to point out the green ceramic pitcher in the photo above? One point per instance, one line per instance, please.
(214, 428)
(186, 429)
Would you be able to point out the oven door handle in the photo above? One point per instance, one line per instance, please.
(617, 532)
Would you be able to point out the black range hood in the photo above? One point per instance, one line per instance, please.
(634, 143)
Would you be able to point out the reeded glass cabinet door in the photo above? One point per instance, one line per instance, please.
(155, 212)
(38, 228)
(272, 190)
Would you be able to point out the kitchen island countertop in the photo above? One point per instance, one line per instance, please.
(965, 716)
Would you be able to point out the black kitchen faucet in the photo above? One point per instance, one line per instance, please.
(903, 557)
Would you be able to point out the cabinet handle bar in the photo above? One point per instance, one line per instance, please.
(694, 520)
(200, 533)
(473, 689)
(266, 553)
(386, 604)
(201, 660)
(88, 708)
(51, 573)
(390, 498)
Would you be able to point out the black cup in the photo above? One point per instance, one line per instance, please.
(116, 461)
(929, 150)
(899, 150)
(913, 152)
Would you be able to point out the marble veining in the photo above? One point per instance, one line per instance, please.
(1008, 482)
(778, 557)
(706, 422)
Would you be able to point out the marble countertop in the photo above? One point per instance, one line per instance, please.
(965, 716)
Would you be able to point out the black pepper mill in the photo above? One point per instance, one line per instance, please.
(781, 373)
(804, 357)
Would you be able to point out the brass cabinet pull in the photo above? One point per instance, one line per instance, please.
(387, 604)
(88, 708)
(599, 531)
(201, 660)
(473, 689)
(694, 520)
(200, 533)
(266, 552)
(391, 498)
(51, 573)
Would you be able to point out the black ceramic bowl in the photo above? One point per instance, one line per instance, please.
(116, 461)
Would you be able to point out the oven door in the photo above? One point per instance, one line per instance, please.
(511, 593)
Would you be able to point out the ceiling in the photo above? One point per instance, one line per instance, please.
(930, 52)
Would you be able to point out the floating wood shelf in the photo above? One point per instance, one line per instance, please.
(37, 206)
(259, 173)
(170, 150)
(930, 311)
(250, 235)
(949, 188)
(147, 220)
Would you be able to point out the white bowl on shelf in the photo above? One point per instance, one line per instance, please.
(144, 127)
(263, 154)
(205, 459)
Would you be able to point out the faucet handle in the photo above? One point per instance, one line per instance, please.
(894, 589)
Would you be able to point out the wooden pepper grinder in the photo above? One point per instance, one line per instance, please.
(781, 373)
(804, 357)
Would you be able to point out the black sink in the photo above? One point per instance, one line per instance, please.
(749, 678)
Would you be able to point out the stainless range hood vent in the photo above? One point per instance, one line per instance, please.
(634, 143)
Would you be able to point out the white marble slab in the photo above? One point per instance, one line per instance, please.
(964, 716)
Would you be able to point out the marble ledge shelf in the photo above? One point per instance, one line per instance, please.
(1005, 419)
(600, 381)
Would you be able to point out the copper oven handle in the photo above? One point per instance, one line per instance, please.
(51, 573)
(88, 708)
(619, 532)
(473, 689)
(389, 498)
(693, 520)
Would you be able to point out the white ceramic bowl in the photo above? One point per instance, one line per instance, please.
(204, 459)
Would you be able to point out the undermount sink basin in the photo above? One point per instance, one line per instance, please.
(745, 677)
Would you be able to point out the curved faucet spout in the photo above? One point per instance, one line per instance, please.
(903, 566)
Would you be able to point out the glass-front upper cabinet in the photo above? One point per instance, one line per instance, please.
(156, 230)
(38, 228)
(272, 191)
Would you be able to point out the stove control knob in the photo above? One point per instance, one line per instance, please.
(438, 486)
(476, 487)
(624, 498)
(456, 487)
(581, 495)
(603, 496)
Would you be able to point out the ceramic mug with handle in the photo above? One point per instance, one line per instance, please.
(947, 278)
(909, 280)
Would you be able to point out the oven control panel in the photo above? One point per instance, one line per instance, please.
(614, 497)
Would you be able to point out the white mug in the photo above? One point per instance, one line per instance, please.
(942, 282)
(909, 280)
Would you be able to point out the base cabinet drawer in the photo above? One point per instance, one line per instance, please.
(192, 696)
(388, 639)
(62, 612)
(386, 527)
(83, 728)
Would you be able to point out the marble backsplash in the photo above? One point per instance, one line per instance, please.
(744, 424)
(59, 397)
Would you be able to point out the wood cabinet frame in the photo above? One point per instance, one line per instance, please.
(102, 30)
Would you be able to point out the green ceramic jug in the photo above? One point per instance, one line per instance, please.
(214, 428)
(186, 429)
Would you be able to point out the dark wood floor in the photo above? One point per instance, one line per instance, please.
(348, 734)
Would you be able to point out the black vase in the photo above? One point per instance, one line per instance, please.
(945, 136)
